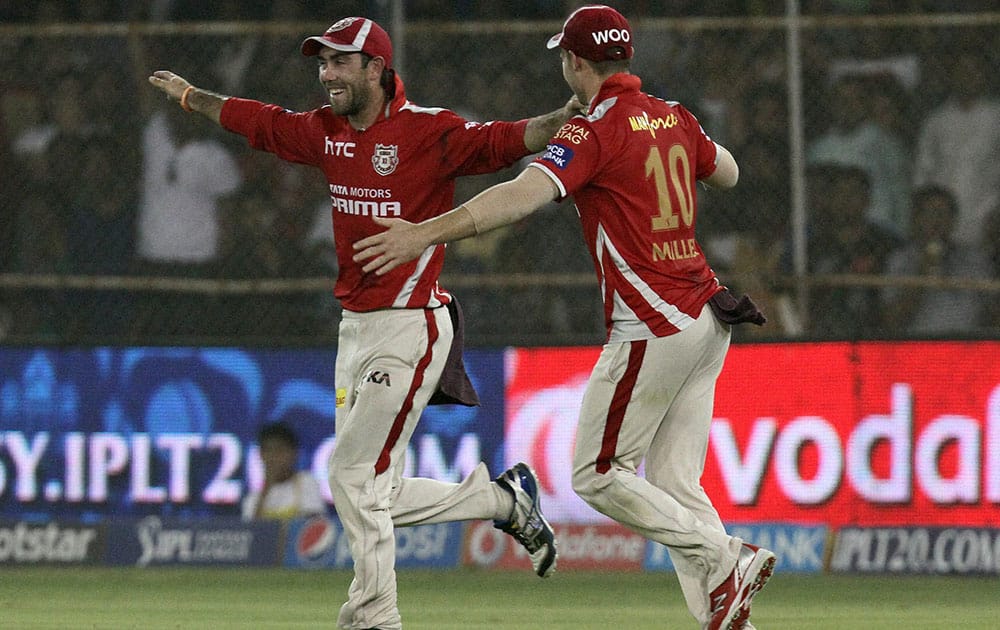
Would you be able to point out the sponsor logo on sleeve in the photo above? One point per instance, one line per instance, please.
(557, 155)
(573, 133)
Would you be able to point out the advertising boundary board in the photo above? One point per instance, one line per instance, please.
(799, 548)
(51, 543)
(917, 550)
(153, 541)
(866, 434)
(320, 543)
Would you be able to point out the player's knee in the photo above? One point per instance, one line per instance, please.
(346, 478)
(590, 485)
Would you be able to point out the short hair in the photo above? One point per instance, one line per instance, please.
(278, 431)
(387, 80)
(610, 66)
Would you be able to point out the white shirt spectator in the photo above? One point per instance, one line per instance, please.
(298, 496)
(178, 221)
(959, 148)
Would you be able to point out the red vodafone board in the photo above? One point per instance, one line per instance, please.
(838, 433)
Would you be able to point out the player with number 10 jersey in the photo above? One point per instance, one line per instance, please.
(653, 274)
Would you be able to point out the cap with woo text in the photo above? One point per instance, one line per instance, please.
(352, 34)
(596, 32)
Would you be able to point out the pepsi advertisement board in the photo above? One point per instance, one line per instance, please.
(170, 432)
(320, 543)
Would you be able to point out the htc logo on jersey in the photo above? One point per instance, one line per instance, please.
(343, 149)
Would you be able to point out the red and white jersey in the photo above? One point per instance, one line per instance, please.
(403, 166)
(631, 166)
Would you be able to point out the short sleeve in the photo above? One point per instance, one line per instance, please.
(571, 156)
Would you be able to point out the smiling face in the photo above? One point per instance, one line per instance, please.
(351, 81)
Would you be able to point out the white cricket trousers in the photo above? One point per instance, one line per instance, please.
(388, 365)
(653, 399)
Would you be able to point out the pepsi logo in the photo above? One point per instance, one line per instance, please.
(315, 538)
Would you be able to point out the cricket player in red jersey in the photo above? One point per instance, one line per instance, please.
(400, 337)
(632, 163)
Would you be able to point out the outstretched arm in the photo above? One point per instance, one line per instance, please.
(495, 207)
(190, 98)
(541, 128)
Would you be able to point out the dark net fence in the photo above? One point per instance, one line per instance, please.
(869, 147)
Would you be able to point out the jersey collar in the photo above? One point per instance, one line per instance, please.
(397, 102)
(615, 85)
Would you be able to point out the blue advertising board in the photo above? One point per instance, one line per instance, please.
(92, 432)
(799, 548)
(51, 543)
(152, 541)
(320, 543)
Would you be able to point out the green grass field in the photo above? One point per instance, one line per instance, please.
(461, 600)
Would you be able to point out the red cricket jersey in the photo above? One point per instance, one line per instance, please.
(403, 166)
(631, 166)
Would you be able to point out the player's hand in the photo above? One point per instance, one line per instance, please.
(172, 84)
(573, 107)
(400, 243)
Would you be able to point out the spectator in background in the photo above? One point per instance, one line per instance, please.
(959, 144)
(991, 252)
(759, 234)
(287, 493)
(893, 108)
(101, 222)
(184, 176)
(546, 242)
(932, 253)
(854, 138)
(843, 240)
(267, 227)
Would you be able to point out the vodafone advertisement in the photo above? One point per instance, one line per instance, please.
(865, 434)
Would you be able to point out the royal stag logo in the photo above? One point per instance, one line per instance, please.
(386, 158)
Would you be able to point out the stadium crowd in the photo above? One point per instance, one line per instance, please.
(901, 134)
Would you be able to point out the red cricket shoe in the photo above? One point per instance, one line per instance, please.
(731, 600)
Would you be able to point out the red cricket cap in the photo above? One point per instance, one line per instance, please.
(596, 32)
(352, 34)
